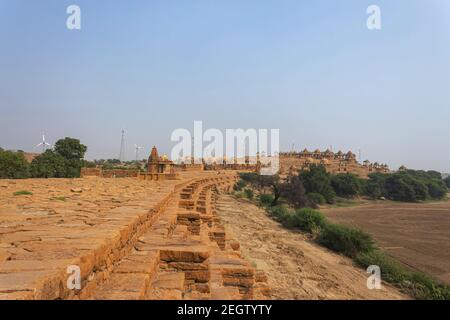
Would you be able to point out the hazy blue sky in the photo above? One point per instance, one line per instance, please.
(310, 68)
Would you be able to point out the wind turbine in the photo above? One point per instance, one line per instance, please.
(136, 150)
(43, 144)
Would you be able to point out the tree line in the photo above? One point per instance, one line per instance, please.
(65, 160)
(316, 186)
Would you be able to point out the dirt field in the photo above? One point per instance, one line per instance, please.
(418, 235)
(296, 268)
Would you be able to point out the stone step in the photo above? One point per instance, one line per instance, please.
(130, 280)
(122, 286)
(167, 286)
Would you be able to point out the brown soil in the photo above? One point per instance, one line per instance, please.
(418, 235)
(296, 267)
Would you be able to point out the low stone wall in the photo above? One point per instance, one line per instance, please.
(189, 167)
(157, 176)
(113, 173)
(120, 173)
(91, 172)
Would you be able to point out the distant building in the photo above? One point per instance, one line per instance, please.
(339, 162)
(157, 164)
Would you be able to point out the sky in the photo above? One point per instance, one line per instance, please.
(309, 68)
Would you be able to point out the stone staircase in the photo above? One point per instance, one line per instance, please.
(185, 254)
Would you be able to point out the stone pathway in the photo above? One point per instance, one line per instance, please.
(131, 240)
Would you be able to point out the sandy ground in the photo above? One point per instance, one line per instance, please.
(418, 235)
(296, 267)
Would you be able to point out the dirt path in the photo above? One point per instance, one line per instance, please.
(297, 268)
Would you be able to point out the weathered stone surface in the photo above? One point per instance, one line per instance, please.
(132, 239)
(173, 280)
(184, 254)
(139, 263)
(121, 284)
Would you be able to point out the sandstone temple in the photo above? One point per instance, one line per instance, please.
(161, 168)
(339, 162)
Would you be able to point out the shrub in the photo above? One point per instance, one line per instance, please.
(424, 287)
(316, 198)
(345, 240)
(306, 219)
(13, 165)
(23, 193)
(239, 195)
(248, 193)
(59, 198)
(419, 285)
(391, 271)
(281, 213)
(265, 199)
(238, 186)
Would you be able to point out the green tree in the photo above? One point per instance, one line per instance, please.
(294, 191)
(276, 186)
(420, 189)
(378, 179)
(316, 179)
(13, 165)
(373, 190)
(73, 153)
(434, 175)
(437, 189)
(447, 181)
(407, 185)
(346, 184)
(48, 165)
(399, 190)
